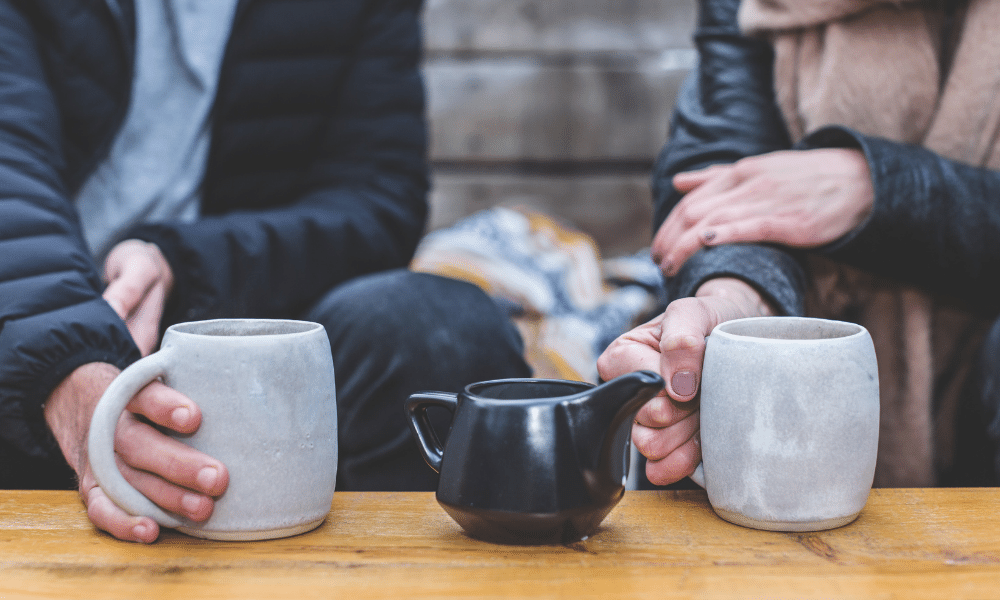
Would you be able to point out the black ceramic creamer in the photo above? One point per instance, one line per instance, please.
(532, 460)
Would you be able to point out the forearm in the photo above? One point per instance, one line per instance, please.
(52, 317)
(748, 301)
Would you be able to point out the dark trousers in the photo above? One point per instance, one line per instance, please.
(392, 334)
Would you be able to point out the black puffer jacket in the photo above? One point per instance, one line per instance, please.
(935, 222)
(316, 174)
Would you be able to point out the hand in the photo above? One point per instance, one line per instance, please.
(139, 283)
(673, 344)
(171, 474)
(803, 199)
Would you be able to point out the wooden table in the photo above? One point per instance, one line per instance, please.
(907, 544)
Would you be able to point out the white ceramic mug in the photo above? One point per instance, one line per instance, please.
(269, 413)
(789, 422)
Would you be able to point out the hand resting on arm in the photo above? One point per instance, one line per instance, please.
(797, 198)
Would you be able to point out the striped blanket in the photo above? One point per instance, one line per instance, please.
(567, 302)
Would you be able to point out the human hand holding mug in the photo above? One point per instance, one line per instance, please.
(673, 344)
(267, 396)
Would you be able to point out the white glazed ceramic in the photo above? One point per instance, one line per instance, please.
(789, 422)
(269, 413)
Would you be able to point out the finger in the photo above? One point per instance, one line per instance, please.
(658, 442)
(688, 180)
(178, 500)
(685, 325)
(788, 230)
(635, 350)
(706, 209)
(683, 248)
(684, 217)
(143, 447)
(167, 407)
(127, 291)
(676, 466)
(107, 516)
(663, 411)
(144, 322)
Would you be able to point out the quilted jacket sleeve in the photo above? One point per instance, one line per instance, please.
(52, 317)
(726, 111)
(364, 208)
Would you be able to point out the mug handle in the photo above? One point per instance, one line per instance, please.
(101, 442)
(416, 411)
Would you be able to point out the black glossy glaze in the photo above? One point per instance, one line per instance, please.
(531, 460)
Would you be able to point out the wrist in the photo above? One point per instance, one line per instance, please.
(748, 301)
(69, 407)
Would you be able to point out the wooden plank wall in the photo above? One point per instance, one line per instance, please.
(560, 105)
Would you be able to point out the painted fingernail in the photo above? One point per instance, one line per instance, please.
(668, 268)
(684, 383)
(708, 236)
(207, 478)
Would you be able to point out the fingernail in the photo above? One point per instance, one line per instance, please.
(207, 477)
(141, 531)
(708, 236)
(191, 503)
(684, 383)
(668, 268)
(181, 415)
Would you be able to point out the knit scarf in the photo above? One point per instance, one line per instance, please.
(901, 70)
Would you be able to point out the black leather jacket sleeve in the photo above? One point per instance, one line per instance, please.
(52, 316)
(726, 111)
(935, 222)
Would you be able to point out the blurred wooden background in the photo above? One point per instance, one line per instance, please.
(560, 105)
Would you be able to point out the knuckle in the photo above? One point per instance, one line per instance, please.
(605, 362)
(176, 469)
(687, 213)
(765, 230)
(660, 413)
(124, 434)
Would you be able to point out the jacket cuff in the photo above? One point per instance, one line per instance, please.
(776, 274)
(104, 339)
(925, 218)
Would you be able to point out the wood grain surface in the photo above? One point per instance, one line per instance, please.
(907, 544)
(531, 101)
